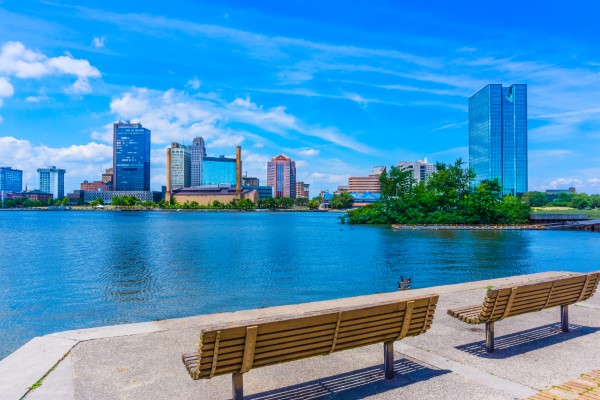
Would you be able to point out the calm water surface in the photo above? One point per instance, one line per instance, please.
(68, 270)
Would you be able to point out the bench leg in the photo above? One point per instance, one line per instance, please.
(489, 337)
(564, 318)
(388, 359)
(237, 386)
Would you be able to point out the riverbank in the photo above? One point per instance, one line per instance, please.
(534, 227)
(140, 361)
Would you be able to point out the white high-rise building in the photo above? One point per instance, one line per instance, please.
(180, 166)
(52, 180)
(421, 169)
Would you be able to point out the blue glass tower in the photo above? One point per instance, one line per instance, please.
(11, 180)
(131, 156)
(498, 136)
(218, 171)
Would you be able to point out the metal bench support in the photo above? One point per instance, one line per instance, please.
(564, 318)
(237, 386)
(388, 359)
(489, 337)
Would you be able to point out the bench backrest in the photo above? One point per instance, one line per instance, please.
(237, 349)
(506, 302)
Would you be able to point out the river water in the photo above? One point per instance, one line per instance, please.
(68, 270)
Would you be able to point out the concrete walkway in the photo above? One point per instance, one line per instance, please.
(143, 361)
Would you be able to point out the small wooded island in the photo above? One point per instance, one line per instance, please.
(446, 198)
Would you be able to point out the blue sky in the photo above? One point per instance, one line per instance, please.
(337, 88)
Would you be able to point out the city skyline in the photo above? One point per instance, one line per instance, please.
(338, 90)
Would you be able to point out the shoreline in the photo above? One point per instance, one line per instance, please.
(535, 227)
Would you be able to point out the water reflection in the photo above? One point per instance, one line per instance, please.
(128, 267)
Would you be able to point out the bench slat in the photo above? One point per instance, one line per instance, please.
(240, 348)
(500, 303)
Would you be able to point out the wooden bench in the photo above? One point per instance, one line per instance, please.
(237, 348)
(508, 301)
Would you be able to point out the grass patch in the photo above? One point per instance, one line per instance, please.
(566, 210)
(37, 384)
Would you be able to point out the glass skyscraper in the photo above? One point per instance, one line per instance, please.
(131, 156)
(498, 136)
(218, 171)
(11, 180)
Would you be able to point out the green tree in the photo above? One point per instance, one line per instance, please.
(535, 199)
(149, 204)
(595, 200)
(314, 204)
(301, 201)
(581, 201)
(396, 183)
(50, 201)
(563, 199)
(341, 201)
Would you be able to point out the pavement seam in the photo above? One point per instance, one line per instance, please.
(592, 306)
(514, 389)
(41, 380)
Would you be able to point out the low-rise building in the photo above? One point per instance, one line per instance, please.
(206, 195)
(143, 195)
(364, 184)
(302, 190)
(93, 186)
(250, 181)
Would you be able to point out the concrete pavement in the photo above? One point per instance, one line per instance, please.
(143, 361)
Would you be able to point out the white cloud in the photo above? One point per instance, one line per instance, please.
(226, 141)
(17, 60)
(81, 161)
(98, 42)
(309, 152)
(37, 99)
(81, 86)
(194, 83)
(175, 114)
(6, 89)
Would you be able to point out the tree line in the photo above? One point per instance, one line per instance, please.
(447, 197)
(24, 202)
(581, 201)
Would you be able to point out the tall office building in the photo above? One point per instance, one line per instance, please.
(421, 169)
(219, 171)
(281, 176)
(198, 152)
(180, 168)
(131, 157)
(52, 180)
(11, 180)
(498, 136)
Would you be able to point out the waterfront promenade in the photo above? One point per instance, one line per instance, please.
(143, 361)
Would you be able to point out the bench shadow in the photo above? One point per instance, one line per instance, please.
(353, 385)
(525, 341)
